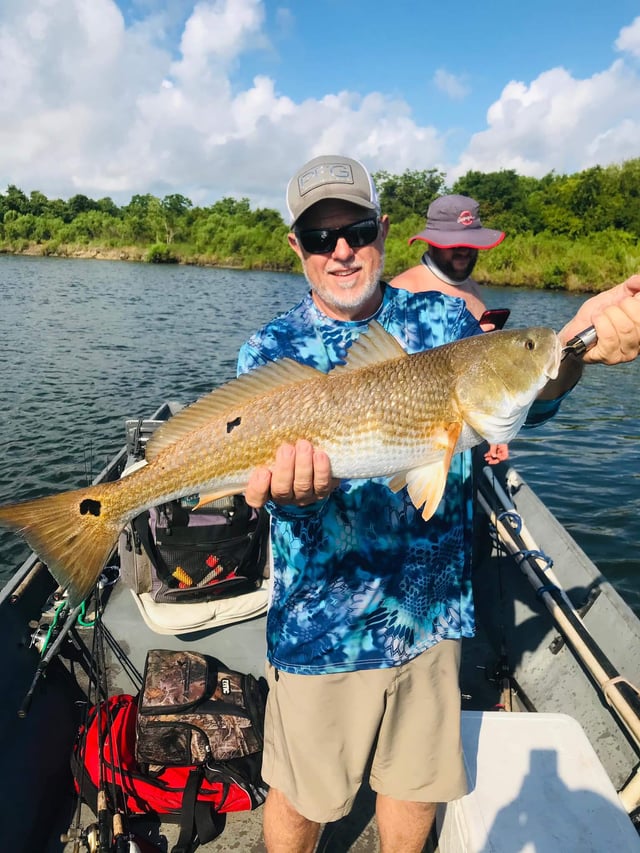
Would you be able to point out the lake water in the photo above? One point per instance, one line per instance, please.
(86, 344)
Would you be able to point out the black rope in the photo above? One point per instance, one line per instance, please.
(510, 515)
(547, 587)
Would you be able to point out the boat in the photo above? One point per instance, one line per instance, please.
(551, 711)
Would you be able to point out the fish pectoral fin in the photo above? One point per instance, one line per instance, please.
(426, 484)
(398, 481)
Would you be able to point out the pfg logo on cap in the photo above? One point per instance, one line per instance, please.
(225, 686)
(325, 173)
(466, 218)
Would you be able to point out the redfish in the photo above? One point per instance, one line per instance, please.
(383, 413)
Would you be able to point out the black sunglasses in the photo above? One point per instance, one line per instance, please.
(321, 241)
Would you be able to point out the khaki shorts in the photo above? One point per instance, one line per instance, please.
(321, 731)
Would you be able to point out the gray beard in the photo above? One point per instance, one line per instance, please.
(346, 299)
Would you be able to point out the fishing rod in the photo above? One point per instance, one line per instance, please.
(110, 833)
(42, 638)
(47, 657)
(536, 567)
(620, 695)
(96, 837)
(113, 815)
(103, 814)
(135, 676)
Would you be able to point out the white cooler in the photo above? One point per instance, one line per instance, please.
(536, 785)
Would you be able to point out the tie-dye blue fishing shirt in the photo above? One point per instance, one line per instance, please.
(360, 580)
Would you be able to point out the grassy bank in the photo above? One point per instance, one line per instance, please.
(586, 264)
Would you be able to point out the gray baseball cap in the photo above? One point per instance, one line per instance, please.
(330, 176)
(452, 220)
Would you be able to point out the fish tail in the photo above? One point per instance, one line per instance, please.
(71, 532)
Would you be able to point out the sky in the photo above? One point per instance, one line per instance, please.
(229, 97)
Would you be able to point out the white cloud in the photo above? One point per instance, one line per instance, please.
(560, 123)
(285, 19)
(217, 33)
(453, 85)
(98, 104)
(629, 39)
(91, 105)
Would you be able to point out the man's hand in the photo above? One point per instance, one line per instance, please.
(615, 314)
(300, 476)
(496, 453)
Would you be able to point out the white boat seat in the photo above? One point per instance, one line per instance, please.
(189, 618)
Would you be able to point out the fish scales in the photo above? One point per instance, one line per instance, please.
(321, 415)
(382, 414)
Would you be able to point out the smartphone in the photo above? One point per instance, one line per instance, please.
(497, 316)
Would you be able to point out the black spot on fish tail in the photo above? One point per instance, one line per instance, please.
(231, 425)
(88, 505)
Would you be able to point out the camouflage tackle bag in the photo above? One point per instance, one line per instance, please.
(194, 710)
(188, 748)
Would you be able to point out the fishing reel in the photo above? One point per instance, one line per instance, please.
(39, 636)
(45, 629)
(89, 838)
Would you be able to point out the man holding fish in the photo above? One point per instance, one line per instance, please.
(352, 420)
(372, 596)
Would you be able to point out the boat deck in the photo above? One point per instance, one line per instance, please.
(517, 644)
(242, 646)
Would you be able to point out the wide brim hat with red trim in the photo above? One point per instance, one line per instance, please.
(452, 220)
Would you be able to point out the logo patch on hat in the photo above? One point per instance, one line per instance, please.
(466, 218)
(325, 173)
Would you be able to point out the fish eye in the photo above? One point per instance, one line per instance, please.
(529, 344)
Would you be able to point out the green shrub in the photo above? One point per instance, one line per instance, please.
(160, 253)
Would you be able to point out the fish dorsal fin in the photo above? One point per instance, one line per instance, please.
(228, 397)
(371, 347)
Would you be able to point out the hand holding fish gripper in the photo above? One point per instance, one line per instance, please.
(580, 343)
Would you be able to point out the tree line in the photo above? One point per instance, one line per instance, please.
(579, 231)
